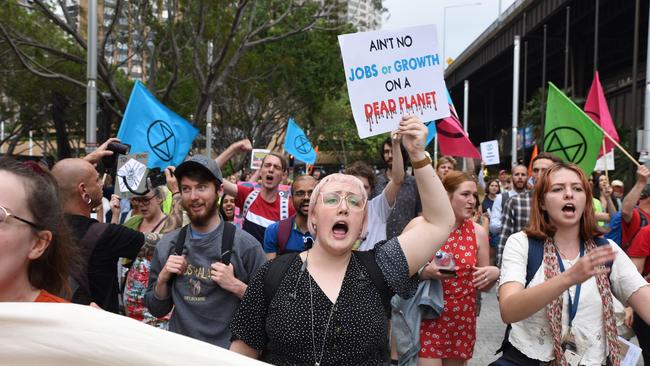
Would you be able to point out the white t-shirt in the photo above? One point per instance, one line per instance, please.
(378, 212)
(532, 336)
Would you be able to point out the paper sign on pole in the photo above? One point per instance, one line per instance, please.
(257, 155)
(131, 172)
(606, 162)
(490, 152)
(393, 73)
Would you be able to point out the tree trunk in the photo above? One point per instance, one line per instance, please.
(59, 104)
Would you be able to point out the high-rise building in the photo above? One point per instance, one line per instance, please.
(365, 15)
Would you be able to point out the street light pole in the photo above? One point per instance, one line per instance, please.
(91, 87)
(444, 28)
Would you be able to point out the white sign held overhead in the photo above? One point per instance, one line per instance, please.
(605, 162)
(490, 152)
(393, 73)
(257, 155)
(131, 173)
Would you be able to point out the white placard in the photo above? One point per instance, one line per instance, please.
(131, 170)
(490, 152)
(257, 155)
(393, 73)
(605, 162)
(630, 352)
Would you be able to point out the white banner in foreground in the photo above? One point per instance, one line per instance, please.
(393, 73)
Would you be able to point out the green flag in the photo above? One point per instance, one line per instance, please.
(569, 133)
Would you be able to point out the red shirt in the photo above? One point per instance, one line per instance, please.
(632, 228)
(640, 248)
(261, 213)
(45, 296)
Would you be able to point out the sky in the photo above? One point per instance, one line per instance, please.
(466, 19)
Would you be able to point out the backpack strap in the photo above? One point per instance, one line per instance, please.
(227, 241)
(368, 260)
(284, 207)
(179, 244)
(249, 201)
(284, 232)
(504, 198)
(278, 268)
(79, 277)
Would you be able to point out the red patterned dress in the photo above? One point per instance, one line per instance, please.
(452, 335)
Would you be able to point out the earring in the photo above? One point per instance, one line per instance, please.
(89, 199)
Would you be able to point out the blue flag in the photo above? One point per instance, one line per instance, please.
(297, 144)
(148, 126)
(431, 127)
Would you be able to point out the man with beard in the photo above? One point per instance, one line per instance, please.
(190, 277)
(519, 180)
(262, 206)
(292, 233)
(407, 204)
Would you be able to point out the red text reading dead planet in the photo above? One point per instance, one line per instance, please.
(383, 108)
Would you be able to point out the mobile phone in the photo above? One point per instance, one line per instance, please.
(447, 271)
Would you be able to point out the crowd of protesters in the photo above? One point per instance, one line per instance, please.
(345, 268)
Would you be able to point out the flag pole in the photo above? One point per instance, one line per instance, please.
(605, 156)
(615, 143)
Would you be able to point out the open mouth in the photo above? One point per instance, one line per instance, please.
(340, 229)
(569, 208)
(269, 179)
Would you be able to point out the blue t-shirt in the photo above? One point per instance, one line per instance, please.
(296, 242)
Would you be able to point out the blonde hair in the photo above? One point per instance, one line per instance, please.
(341, 178)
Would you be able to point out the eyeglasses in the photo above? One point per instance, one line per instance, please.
(142, 200)
(4, 215)
(333, 199)
(301, 193)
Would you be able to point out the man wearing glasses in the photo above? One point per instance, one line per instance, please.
(292, 233)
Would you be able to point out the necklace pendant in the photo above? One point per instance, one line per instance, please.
(316, 363)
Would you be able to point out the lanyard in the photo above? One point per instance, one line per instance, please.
(573, 305)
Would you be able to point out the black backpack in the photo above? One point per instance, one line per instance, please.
(78, 278)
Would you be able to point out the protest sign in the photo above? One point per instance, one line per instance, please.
(490, 152)
(393, 73)
(131, 171)
(606, 162)
(257, 155)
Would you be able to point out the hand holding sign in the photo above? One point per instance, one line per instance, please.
(393, 73)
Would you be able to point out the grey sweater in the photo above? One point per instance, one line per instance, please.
(202, 309)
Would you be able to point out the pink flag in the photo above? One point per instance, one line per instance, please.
(452, 139)
(596, 108)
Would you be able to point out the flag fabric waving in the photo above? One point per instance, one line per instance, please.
(149, 126)
(596, 108)
(569, 133)
(532, 157)
(297, 144)
(431, 128)
(452, 139)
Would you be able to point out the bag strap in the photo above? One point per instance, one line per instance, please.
(284, 207)
(179, 244)
(249, 201)
(368, 260)
(284, 232)
(278, 268)
(227, 241)
(87, 246)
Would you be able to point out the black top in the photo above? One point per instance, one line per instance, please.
(117, 241)
(487, 204)
(358, 330)
(407, 203)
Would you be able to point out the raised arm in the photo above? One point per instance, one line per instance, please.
(429, 233)
(397, 171)
(631, 199)
(239, 147)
